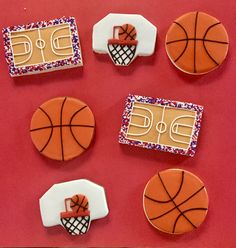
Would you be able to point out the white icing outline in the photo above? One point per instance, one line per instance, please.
(173, 124)
(150, 122)
(158, 143)
(54, 45)
(41, 48)
(31, 52)
(162, 118)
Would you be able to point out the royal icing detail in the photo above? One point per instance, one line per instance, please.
(124, 37)
(76, 220)
(73, 205)
(160, 124)
(175, 201)
(42, 46)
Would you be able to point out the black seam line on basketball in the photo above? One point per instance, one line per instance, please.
(186, 45)
(62, 147)
(50, 136)
(76, 204)
(194, 46)
(80, 205)
(180, 187)
(174, 201)
(198, 39)
(125, 32)
(71, 119)
(188, 210)
(129, 34)
(64, 125)
(204, 45)
(167, 212)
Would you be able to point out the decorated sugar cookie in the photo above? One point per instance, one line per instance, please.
(124, 37)
(77, 220)
(175, 201)
(73, 205)
(197, 43)
(62, 128)
(159, 124)
(42, 46)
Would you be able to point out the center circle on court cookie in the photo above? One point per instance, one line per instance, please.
(40, 43)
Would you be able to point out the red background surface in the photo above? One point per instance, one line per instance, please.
(122, 170)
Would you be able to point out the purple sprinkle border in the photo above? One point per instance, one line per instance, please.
(19, 71)
(163, 102)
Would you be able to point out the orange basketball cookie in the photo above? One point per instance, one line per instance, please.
(175, 201)
(62, 128)
(197, 43)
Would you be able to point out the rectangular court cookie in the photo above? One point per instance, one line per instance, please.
(42, 46)
(160, 124)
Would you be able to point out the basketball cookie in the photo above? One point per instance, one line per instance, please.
(197, 43)
(175, 201)
(124, 37)
(62, 128)
(73, 205)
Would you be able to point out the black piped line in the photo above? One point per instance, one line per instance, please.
(72, 117)
(50, 136)
(62, 147)
(55, 126)
(172, 198)
(174, 202)
(188, 210)
(198, 39)
(79, 205)
(167, 212)
(186, 45)
(125, 32)
(195, 47)
(204, 45)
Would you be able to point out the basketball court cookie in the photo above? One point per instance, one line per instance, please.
(42, 46)
(73, 205)
(160, 124)
(124, 37)
(175, 201)
(62, 128)
(197, 43)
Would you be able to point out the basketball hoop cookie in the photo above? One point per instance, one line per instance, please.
(159, 124)
(73, 205)
(175, 201)
(62, 128)
(197, 43)
(42, 46)
(124, 37)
